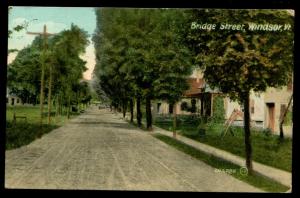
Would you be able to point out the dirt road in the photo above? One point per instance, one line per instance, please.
(98, 150)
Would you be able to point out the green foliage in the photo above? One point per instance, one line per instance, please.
(202, 127)
(239, 61)
(288, 119)
(266, 147)
(218, 110)
(23, 74)
(24, 132)
(63, 55)
(139, 54)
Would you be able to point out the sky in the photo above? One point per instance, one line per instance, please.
(56, 19)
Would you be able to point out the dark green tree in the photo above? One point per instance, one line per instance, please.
(241, 61)
(62, 58)
(137, 50)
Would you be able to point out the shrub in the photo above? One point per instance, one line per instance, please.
(202, 127)
(218, 109)
(288, 119)
(267, 132)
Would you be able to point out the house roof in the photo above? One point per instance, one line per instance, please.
(195, 87)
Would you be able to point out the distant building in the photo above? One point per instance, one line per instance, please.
(12, 99)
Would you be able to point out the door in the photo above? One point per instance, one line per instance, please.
(271, 115)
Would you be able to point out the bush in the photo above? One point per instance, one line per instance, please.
(189, 119)
(218, 110)
(267, 132)
(288, 119)
(202, 127)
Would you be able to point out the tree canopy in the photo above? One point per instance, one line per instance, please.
(240, 61)
(62, 54)
(140, 55)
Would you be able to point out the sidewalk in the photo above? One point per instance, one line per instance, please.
(278, 175)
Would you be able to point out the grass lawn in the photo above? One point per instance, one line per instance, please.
(267, 149)
(24, 132)
(232, 169)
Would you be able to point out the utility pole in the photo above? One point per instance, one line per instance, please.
(45, 35)
(49, 94)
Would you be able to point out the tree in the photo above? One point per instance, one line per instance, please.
(136, 51)
(67, 48)
(174, 61)
(61, 58)
(23, 74)
(239, 62)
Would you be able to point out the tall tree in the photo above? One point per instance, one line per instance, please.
(134, 47)
(62, 57)
(174, 60)
(241, 61)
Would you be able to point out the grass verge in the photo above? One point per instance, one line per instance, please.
(266, 147)
(23, 131)
(256, 180)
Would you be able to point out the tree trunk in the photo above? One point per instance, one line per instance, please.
(36, 99)
(283, 117)
(174, 120)
(248, 147)
(131, 110)
(56, 106)
(49, 95)
(124, 108)
(68, 109)
(202, 102)
(60, 104)
(148, 114)
(138, 112)
(42, 91)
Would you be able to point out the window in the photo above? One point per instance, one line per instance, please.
(17, 100)
(158, 106)
(184, 106)
(170, 108)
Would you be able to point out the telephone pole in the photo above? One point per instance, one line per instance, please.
(45, 35)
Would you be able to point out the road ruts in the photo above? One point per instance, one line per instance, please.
(98, 150)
